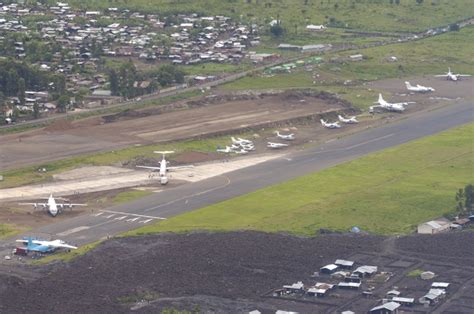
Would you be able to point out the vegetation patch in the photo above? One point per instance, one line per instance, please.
(129, 196)
(388, 192)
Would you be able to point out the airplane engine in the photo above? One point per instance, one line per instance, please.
(70, 206)
(35, 206)
(44, 206)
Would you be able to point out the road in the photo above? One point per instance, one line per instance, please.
(174, 201)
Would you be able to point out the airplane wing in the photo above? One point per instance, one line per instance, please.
(179, 167)
(37, 204)
(149, 167)
(70, 204)
(464, 75)
(441, 75)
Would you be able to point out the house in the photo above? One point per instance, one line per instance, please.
(433, 296)
(356, 57)
(387, 308)
(434, 226)
(328, 269)
(440, 285)
(344, 264)
(352, 278)
(320, 289)
(349, 285)
(364, 271)
(294, 288)
(404, 301)
(312, 27)
(427, 275)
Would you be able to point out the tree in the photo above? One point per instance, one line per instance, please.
(36, 112)
(114, 82)
(419, 1)
(277, 30)
(63, 101)
(21, 91)
(460, 200)
(469, 197)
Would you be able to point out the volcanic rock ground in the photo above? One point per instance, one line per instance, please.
(234, 273)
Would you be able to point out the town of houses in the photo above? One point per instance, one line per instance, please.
(85, 38)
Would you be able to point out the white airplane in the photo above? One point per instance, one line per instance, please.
(286, 137)
(227, 149)
(350, 120)
(241, 152)
(276, 145)
(419, 88)
(248, 147)
(240, 141)
(163, 168)
(334, 125)
(43, 246)
(52, 207)
(450, 76)
(397, 107)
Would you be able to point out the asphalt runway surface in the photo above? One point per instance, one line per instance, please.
(190, 196)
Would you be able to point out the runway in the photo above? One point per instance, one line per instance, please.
(190, 196)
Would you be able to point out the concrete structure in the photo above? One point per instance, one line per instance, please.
(434, 226)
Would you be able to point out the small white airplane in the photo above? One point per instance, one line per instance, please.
(450, 76)
(227, 150)
(163, 168)
(286, 137)
(52, 207)
(350, 120)
(43, 246)
(248, 147)
(419, 88)
(397, 107)
(241, 152)
(240, 141)
(276, 145)
(334, 125)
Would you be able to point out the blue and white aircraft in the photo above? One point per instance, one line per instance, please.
(41, 246)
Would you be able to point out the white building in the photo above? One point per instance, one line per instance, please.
(434, 226)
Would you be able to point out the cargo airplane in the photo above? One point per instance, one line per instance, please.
(163, 168)
(286, 137)
(276, 145)
(419, 88)
(334, 125)
(52, 207)
(450, 76)
(350, 120)
(41, 246)
(396, 107)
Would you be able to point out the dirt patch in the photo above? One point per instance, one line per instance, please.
(196, 157)
(59, 125)
(234, 272)
(219, 114)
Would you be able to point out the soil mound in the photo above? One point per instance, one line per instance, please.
(196, 157)
(59, 125)
(126, 114)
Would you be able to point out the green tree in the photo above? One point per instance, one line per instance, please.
(469, 197)
(114, 82)
(21, 91)
(63, 102)
(277, 30)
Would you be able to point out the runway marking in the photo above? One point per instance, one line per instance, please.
(73, 230)
(190, 196)
(120, 218)
(133, 219)
(130, 214)
(146, 221)
(98, 214)
(370, 141)
(110, 216)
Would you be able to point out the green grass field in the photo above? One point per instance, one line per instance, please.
(388, 192)
(359, 14)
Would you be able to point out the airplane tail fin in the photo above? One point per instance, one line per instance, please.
(380, 98)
